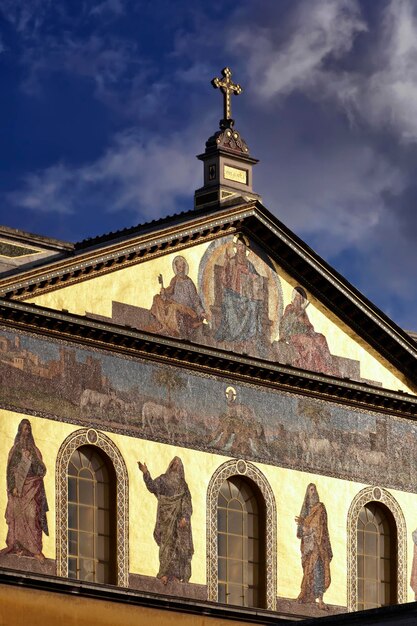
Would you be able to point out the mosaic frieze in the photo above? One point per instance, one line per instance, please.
(173, 405)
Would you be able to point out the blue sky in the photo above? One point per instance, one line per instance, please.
(105, 103)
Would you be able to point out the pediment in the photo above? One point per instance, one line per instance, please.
(216, 281)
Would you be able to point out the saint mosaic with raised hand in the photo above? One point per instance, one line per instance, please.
(172, 530)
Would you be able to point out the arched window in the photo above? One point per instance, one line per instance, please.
(241, 538)
(376, 557)
(376, 550)
(241, 544)
(92, 534)
(91, 516)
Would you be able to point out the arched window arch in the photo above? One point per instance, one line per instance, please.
(376, 557)
(91, 516)
(376, 550)
(92, 539)
(241, 545)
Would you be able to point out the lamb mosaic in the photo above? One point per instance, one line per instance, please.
(169, 404)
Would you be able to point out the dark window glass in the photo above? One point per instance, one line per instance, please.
(241, 544)
(376, 562)
(91, 520)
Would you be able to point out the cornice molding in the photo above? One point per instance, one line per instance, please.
(284, 247)
(127, 341)
(104, 259)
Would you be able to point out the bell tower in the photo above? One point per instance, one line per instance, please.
(227, 163)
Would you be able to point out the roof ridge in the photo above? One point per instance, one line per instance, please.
(128, 230)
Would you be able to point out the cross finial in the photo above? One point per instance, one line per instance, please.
(228, 88)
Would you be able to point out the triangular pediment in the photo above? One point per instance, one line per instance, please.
(233, 279)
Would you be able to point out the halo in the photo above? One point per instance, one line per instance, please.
(187, 269)
(241, 237)
(232, 391)
(302, 293)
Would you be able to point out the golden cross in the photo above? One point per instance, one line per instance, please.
(228, 88)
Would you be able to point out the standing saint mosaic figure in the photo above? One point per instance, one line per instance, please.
(316, 551)
(172, 530)
(26, 498)
(413, 581)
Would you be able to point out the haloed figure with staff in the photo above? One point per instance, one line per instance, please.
(178, 307)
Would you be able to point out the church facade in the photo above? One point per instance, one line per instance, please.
(200, 412)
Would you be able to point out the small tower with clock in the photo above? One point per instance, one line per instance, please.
(227, 163)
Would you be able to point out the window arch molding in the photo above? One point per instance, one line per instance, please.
(92, 437)
(375, 495)
(243, 469)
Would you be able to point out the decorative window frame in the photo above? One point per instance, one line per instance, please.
(225, 471)
(92, 437)
(365, 496)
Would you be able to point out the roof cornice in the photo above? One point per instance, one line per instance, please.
(112, 255)
(124, 340)
(284, 247)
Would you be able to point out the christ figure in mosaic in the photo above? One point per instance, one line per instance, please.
(243, 297)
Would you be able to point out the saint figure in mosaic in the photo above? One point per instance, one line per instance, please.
(305, 348)
(413, 581)
(178, 307)
(316, 551)
(26, 499)
(172, 530)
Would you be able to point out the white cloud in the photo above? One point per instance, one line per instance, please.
(390, 96)
(318, 31)
(144, 178)
(385, 95)
(26, 17)
(103, 60)
(43, 191)
(381, 90)
(52, 39)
